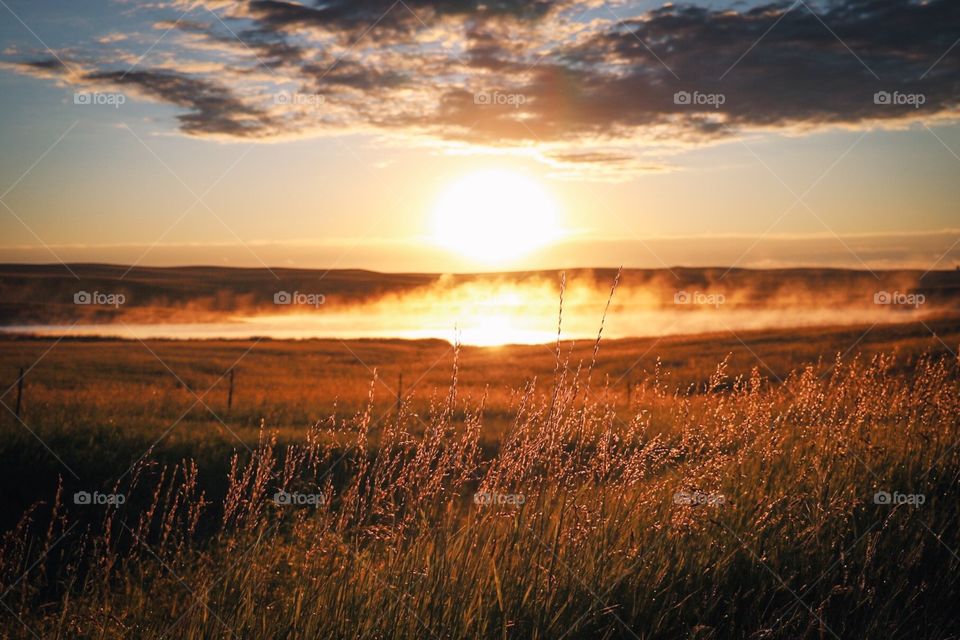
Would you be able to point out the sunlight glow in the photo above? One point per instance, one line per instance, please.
(495, 215)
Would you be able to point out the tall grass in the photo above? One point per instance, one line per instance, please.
(744, 511)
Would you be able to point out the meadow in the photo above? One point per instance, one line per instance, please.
(480, 319)
(769, 484)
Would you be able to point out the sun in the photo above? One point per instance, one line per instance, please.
(495, 215)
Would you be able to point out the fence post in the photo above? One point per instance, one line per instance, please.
(19, 390)
(399, 395)
(230, 392)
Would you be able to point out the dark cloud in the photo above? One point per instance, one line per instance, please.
(353, 75)
(213, 109)
(46, 64)
(428, 65)
(271, 48)
(765, 67)
(773, 66)
(388, 14)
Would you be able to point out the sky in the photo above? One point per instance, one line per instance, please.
(322, 134)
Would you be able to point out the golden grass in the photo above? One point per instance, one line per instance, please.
(743, 509)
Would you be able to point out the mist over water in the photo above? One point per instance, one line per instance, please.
(507, 310)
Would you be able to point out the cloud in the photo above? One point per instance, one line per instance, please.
(774, 66)
(508, 74)
(47, 67)
(352, 15)
(212, 108)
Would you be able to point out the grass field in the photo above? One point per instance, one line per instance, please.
(703, 486)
